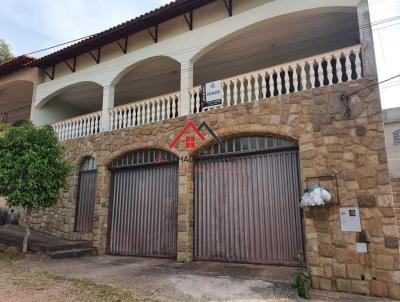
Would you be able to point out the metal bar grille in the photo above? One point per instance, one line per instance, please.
(86, 201)
(247, 210)
(143, 217)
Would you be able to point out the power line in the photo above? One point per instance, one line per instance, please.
(94, 34)
(223, 54)
(373, 85)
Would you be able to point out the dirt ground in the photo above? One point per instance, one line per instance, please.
(20, 284)
(33, 278)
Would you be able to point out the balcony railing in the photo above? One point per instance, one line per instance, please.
(79, 126)
(326, 69)
(16, 116)
(151, 110)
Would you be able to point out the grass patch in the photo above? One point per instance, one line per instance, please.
(93, 292)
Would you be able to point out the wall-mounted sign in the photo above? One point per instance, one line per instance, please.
(350, 219)
(212, 94)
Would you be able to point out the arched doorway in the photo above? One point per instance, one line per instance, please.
(143, 204)
(246, 201)
(86, 196)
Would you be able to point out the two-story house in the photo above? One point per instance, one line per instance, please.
(194, 129)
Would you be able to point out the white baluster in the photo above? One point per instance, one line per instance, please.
(148, 112)
(129, 116)
(339, 69)
(235, 91)
(159, 109)
(242, 92)
(312, 74)
(264, 85)
(279, 81)
(295, 78)
(256, 86)
(357, 52)
(329, 70)
(153, 110)
(249, 88)
(79, 127)
(134, 116)
(96, 123)
(348, 65)
(320, 72)
(228, 92)
(303, 75)
(271, 83)
(286, 78)
(66, 136)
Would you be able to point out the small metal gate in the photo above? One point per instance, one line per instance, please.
(143, 209)
(246, 202)
(86, 196)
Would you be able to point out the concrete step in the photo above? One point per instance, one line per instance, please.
(74, 253)
(13, 235)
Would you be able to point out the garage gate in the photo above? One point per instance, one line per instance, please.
(246, 202)
(143, 209)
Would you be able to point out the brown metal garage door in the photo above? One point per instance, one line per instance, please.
(246, 202)
(86, 196)
(143, 209)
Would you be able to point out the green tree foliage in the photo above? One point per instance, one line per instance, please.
(32, 171)
(5, 51)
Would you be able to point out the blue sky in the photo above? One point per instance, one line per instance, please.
(30, 25)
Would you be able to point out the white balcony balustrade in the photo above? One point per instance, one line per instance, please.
(327, 69)
(322, 70)
(79, 126)
(147, 111)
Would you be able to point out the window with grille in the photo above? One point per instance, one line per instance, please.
(396, 137)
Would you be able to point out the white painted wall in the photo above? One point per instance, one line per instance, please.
(211, 25)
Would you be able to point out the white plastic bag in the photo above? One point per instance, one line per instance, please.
(316, 197)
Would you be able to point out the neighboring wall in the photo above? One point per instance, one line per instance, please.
(353, 149)
(391, 118)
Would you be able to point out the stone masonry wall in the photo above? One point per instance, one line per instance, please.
(353, 149)
(396, 200)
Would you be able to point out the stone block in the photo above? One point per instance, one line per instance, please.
(378, 288)
(325, 284)
(343, 285)
(394, 291)
(355, 271)
(360, 287)
(339, 270)
(366, 200)
(384, 262)
(392, 242)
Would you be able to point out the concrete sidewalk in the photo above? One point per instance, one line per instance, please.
(198, 281)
